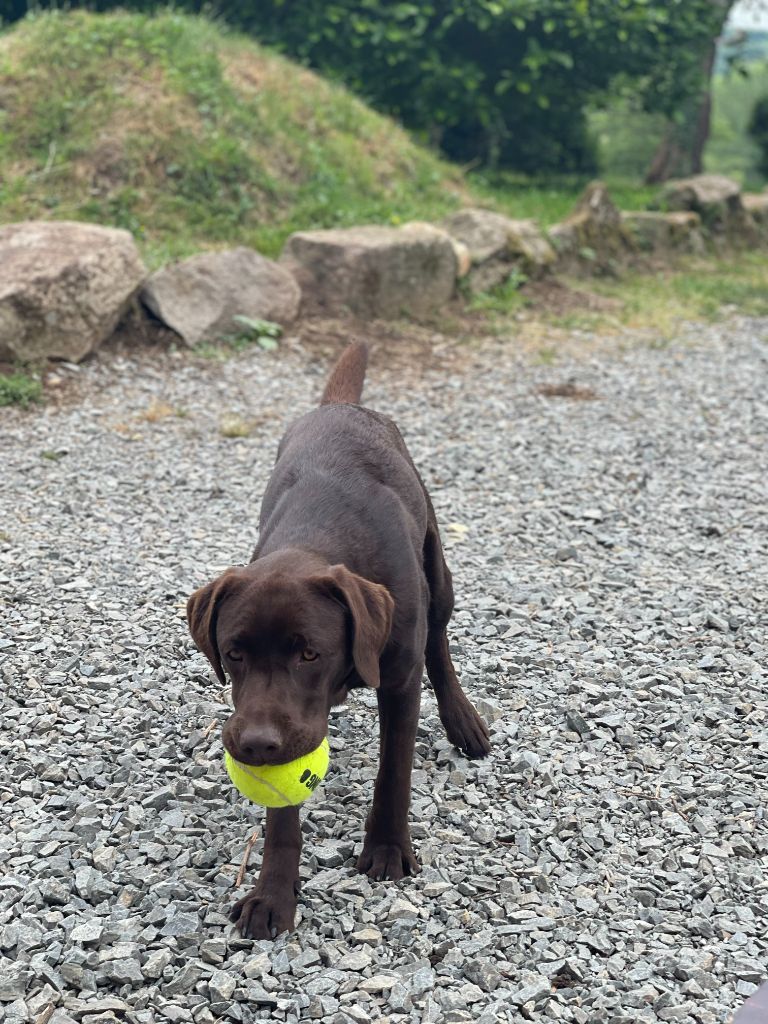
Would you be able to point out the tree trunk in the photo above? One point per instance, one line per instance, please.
(681, 150)
(666, 160)
(704, 116)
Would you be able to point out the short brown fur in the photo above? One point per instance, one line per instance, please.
(347, 587)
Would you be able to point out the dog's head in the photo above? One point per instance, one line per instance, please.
(292, 635)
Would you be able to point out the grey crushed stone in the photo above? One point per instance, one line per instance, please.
(606, 864)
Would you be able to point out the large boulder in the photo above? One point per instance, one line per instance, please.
(484, 232)
(756, 205)
(656, 232)
(718, 202)
(199, 297)
(499, 246)
(460, 251)
(593, 237)
(63, 287)
(372, 271)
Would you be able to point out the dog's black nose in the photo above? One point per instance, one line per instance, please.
(259, 744)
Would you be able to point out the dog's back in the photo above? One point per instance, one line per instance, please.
(343, 482)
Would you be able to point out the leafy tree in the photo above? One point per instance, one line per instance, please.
(681, 149)
(12, 10)
(758, 129)
(499, 82)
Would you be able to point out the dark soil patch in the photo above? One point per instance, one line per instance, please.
(568, 389)
(558, 299)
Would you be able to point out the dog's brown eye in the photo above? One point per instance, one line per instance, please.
(234, 656)
(308, 654)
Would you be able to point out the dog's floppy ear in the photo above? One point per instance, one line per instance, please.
(371, 608)
(202, 611)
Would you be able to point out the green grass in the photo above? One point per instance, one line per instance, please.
(190, 136)
(19, 388)
(731, 151)
(694, 290)
(506, 298)
(549, 201)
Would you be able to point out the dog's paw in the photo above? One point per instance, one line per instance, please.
(265, 912)
(387, 860)
(467, 731)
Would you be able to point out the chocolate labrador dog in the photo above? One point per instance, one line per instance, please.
(347, 587)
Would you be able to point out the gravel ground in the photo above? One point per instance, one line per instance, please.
(605, 864)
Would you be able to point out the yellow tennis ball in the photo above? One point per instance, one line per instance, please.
(280, 785)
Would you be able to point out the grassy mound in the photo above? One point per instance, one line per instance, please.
(188, 136)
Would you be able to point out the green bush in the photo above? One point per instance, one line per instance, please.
(19, 389)
(502, 82)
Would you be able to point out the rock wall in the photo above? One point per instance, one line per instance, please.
(64, 286)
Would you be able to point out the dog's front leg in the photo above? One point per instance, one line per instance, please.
(270, 907)
(387, 850)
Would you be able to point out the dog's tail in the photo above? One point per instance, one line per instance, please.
(346, 381)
